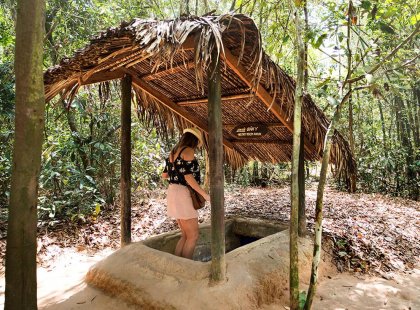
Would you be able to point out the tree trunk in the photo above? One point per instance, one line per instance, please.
(297, 122)
(408, 147)
(255, 172)
(302, 211)
(416, 112)
(351, 134)
(21, 288)
(386, 172)
(318, 211)
(218, 264)
(125, 182)
(184, 7)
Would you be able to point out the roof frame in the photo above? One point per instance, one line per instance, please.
(233, 62)
(141, 84)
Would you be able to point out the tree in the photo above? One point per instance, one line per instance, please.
(347, 82)
(29, 123)
(297, 125)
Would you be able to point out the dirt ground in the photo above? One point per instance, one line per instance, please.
(374, 241)
(61, 287)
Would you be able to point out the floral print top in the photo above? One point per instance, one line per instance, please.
(179, 168)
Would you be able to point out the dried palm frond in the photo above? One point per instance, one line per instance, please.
(151, 48)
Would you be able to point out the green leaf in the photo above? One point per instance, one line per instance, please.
(324, 82)
(386, 28)
(320, 40)
(415, 19)
(97, 209)
(366, 4)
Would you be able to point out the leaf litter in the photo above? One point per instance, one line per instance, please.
(368, 233)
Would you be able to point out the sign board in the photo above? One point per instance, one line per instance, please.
(250, 130)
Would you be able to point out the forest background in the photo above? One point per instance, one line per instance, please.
(80, 158)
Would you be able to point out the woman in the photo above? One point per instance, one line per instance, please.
(182, 169)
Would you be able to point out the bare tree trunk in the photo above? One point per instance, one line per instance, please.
(385, 173)
(255, 172)
(408, 147)
(232, 6)
(416, 112)
(351, 134)
(184, 7)
(125, 182)
(323, 176)
(318, 211)
(297, 123)
(301, 176)
(21, 288)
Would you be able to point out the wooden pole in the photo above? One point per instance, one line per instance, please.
(125, 182)
(21, 288)
(218, 264)
(301, 177)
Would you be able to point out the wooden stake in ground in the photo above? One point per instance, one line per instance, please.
(297, 122)
(301, 177)
(125, 183)
(218, 264)
(21, 288)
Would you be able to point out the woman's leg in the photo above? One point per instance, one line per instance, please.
(190, 228)
(181, 241)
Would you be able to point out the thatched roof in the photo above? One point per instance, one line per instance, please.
(168, 60)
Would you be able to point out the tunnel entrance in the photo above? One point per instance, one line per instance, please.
(238, 232)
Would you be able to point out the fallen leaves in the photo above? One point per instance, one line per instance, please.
(368, 233)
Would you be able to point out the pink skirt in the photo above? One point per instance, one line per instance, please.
(179, 202)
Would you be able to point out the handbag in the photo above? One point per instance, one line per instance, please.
(197, 200)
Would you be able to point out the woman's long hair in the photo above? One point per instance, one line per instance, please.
(187, 140)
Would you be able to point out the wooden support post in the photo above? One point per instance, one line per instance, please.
(218, 264)
(301, 181)
(125, 182)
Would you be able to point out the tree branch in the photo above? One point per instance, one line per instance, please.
(392, 53)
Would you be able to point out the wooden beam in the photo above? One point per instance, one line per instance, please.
(268, 125)
(218, 262)
(167, 71)
(253, 141)
(125, 181)
(264, 96)
(137, 82)
(103, 77)
(205, 100)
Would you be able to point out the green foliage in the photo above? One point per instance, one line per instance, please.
(80, 173)
(7, 97)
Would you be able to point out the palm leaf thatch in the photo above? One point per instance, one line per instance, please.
(168, 61)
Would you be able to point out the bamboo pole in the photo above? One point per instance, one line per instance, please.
(218, 264)
(125, 182)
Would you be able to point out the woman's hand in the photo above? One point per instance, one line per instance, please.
(207, 197)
